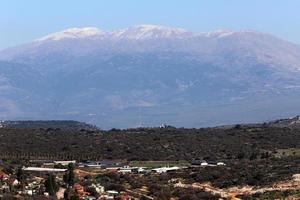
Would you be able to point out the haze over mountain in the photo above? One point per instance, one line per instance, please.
(151, 74)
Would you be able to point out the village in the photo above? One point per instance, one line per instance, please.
(45, 179)
(148, 163)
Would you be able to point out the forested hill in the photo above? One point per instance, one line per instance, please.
(52, 124)
(238, 142)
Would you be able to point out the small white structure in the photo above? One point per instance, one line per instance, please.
(141, 170)
(165, 169)
(106, 197)
(112, 192)
(1, 124)
(15, 182)
(89, 198)
(5, 187)
(65, 162)
(221, 164)
(99, 188)
(128, 169)
(41, 169)
(29, 192)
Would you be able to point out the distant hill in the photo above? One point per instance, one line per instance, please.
(54, 124)
(292, 122)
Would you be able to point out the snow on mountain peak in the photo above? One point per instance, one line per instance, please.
(139, 32)
(225, 33)
(146, 31)
(151, 27)
(73, 33)
(218, 33)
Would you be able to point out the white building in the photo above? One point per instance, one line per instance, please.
(65, 162)
(221, 164)
(41, 169)
(165, 169)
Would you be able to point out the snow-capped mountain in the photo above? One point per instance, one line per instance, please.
(73, 33)
(153, 74)
(146, 32)
(141, 32)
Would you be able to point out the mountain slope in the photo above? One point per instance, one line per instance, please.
(157, 74)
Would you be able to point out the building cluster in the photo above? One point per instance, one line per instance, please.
(34, 186)
(45, 179)
(9, 184)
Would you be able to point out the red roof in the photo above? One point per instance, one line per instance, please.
(3, 175)
(125, 197)
(78, 187)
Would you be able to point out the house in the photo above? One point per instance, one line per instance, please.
(128, 169)
(124, 196)
(93, 164)
(79, 188)
(5, 188)
(3, 176)
(221, 164)
(106, 164)
(139, 170)
(34, 186)
(112, 193)
(211, 164)
(163, 126)
(15, 182)
(65, 162)
(29, 192)
(205, 163)
(99, 188)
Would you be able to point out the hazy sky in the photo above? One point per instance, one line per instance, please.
(24, 20)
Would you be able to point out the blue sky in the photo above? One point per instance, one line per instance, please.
(24, 20)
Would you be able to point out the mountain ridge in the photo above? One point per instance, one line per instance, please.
(138, 29)
(193, 81)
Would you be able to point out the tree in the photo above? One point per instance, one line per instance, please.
(21, 177)
(253, 156)
(51, 185)
(240, 155)
(143, 198)
(69, 177)
(70, 194)
(67, 194)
